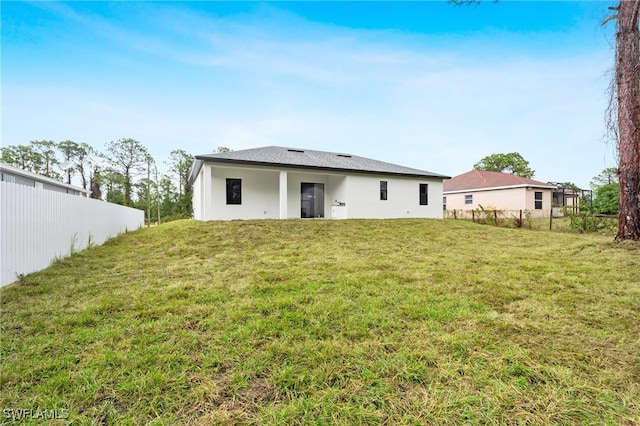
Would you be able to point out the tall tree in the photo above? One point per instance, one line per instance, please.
(48, 158)
(95, 183)
(627, 78)
(113, 181)
(22, 156)
(607, 198)
(68, 150)
(38, 157)
(129, 158)
(80, 156)
(145, 197)
(180, 163)
(607, 176)
(512, 163)
(169, 197)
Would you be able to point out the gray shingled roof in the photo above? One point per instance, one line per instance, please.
(278, 156)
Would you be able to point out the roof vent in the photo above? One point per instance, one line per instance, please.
(344, 155)
(295, 150)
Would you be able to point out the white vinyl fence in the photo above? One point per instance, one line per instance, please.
(37, 226)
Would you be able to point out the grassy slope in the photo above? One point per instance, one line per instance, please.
(405, 321)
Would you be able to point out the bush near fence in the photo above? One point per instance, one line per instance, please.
(538, 219)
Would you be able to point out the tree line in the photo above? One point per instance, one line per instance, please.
(123, 173)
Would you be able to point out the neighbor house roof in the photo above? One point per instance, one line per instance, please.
(278, 156)
(483, 180)
(21, 172)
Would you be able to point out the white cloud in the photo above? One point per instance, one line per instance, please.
(275, 79)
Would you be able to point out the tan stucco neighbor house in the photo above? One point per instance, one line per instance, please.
(494, 190)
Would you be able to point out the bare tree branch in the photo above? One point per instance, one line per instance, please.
(608, 18)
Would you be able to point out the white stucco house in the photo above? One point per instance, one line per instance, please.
(288, 183)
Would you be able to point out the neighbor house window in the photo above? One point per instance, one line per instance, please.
(444, 204)
(538, 200)
(468, 199)
(383, 189)
(38, 185)
(234, 191)
(424, 194)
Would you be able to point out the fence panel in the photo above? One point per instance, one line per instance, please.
(38, 226)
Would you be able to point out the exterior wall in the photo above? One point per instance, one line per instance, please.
(197, 196)
(403, 198)
(500, 199)
(337, 189)
(261, 194)
(38, 226)
(547, 195)
(260, 189)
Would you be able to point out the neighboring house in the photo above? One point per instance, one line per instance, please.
(494, 190)
(286, 183)
(19, 176)
(567, 198)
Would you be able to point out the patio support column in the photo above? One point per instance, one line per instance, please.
(283, 194)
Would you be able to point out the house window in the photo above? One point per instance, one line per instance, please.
(383, 190)
(234, 191)
(8, 178)
(538, 200)
(38, 185)
(444, 204)
(424, 194)
(468, 199)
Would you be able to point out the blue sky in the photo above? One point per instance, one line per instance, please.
(423, 84)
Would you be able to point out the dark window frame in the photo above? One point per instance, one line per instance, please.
(468, 199)
(424, 194)
(234, 191)
(537, 201)
(384, 193)
(444, 203)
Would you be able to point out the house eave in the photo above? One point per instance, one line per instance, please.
(206, 159)
(494, 188)
(195, 170)
(40, 178)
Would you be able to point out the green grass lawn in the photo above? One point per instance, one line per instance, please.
(330, 322)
